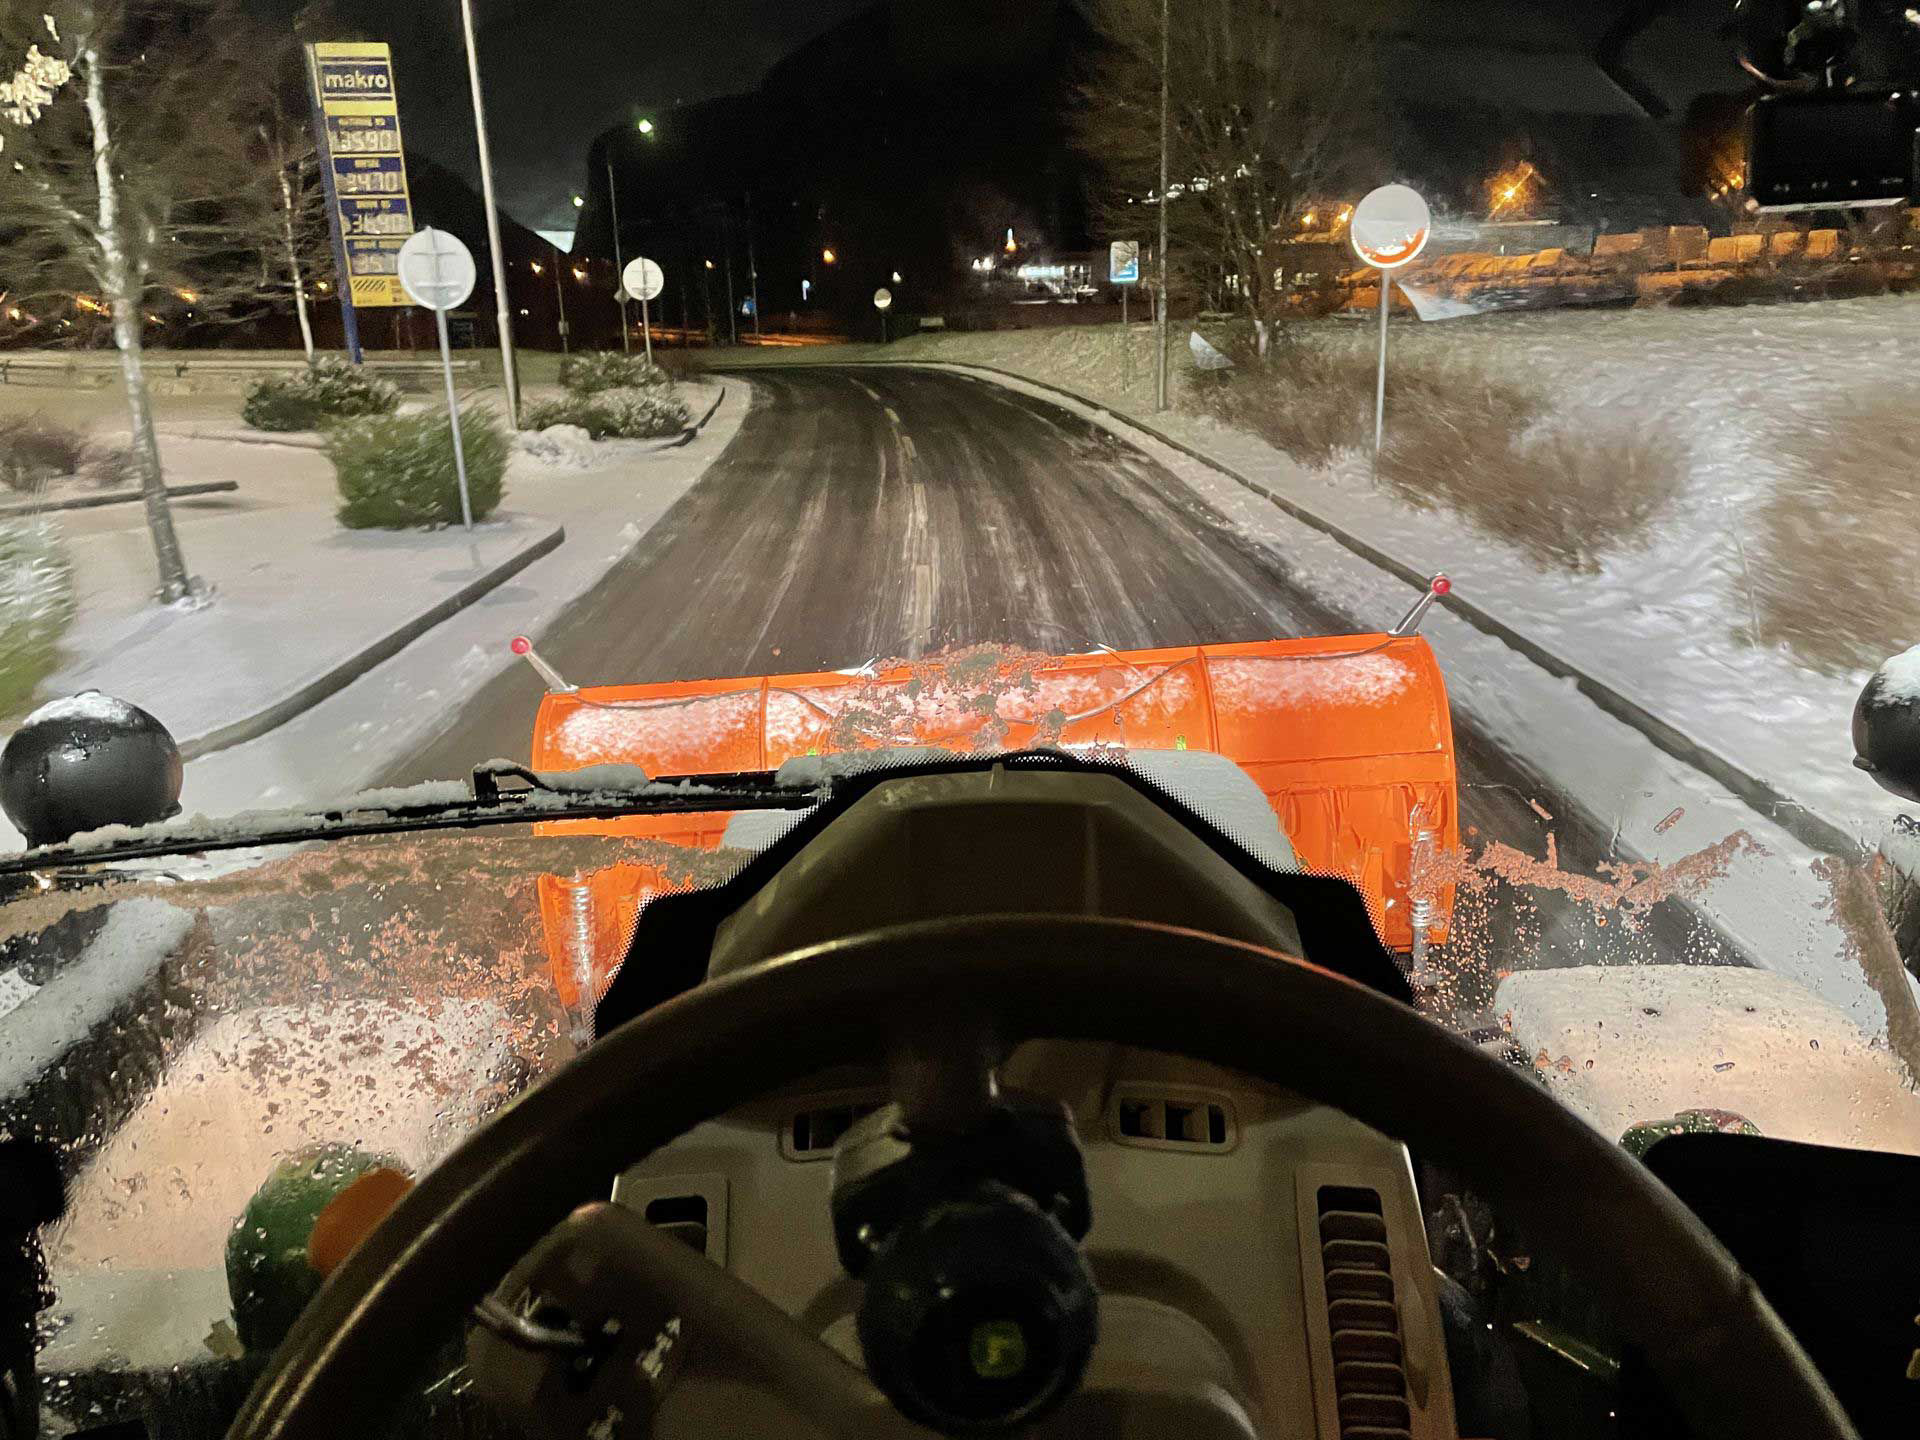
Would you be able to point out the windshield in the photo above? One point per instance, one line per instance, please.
(1456, 450)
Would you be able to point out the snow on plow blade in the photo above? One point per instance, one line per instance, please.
(1347, 736)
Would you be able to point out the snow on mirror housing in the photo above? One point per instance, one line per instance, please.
(1886, 726)
(86, 761)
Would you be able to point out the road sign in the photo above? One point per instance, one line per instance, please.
(1123, 262)
(437, 270)
(1390, 227)
(882, 298)
(363, 167)
(643, 279)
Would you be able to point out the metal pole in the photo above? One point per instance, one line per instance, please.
(619, 269)
(733, 313)
(753, 269)
(1380, 388)
(1160, 308)
(509, 371)
(560, 298)
(646, 327)
(453, 418)
(349, 317)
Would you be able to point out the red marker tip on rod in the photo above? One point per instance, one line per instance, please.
(523, 647)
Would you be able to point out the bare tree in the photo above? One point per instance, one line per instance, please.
(132, 188)
(1274, 113)
(300, 245)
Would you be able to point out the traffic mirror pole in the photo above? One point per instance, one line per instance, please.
(1380, 384)
(453, 418)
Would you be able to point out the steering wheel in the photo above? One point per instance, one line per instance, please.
(989, 982)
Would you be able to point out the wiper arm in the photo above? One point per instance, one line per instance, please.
(599, 792)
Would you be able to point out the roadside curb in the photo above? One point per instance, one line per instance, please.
(114, 497)
(692, 432)
(293, 439)
(1758, 794)
(252, 727)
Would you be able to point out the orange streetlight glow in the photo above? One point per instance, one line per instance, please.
(826, 256)
(578, 273)
(1512, 189)
(536, 267)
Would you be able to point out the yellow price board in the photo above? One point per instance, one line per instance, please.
(364, 166)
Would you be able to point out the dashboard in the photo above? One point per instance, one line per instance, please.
(1261, 1260)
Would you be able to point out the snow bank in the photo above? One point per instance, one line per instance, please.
(1662, 622)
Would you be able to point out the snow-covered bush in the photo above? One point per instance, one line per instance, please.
(332, 389)
(625, 414)
(34, 450)
(593, 371)
(397, 471)
(36, 605)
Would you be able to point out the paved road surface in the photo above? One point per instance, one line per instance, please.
(875, 512)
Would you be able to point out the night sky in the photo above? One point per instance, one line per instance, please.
(558, 72)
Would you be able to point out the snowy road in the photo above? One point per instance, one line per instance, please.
(866, 513)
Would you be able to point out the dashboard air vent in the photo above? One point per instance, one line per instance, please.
(812, 1134)
(1172, 1120)
(1368, 1379)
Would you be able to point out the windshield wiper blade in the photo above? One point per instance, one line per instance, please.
(601, 792)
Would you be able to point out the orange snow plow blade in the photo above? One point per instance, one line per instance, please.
(1348, 737)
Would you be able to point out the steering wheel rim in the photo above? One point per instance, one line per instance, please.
(1724, 1355)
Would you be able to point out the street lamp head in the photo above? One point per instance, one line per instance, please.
(828, 257)
(645, 127)
(896, 277)
(709, 264)
(579, 202)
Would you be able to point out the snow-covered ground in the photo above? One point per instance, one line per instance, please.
(1665, 619)
(295, 597)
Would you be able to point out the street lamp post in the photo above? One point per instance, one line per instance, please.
(619, 267)
(753, 269)
(509, 371)
(560, 299)
(1160, 309)
(733, 313)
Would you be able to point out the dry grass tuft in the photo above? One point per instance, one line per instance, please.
(1832, 547)
(1464, 439)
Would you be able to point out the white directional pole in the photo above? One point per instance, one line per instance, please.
(644, 278)
(1380, 387)
(437, 271)
(453, 418)
(1389, 229)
